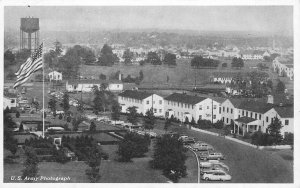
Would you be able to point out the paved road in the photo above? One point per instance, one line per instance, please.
(249, 165)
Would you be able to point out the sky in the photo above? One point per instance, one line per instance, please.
(266, 19)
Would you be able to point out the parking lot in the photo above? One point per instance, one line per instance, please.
(246, 164)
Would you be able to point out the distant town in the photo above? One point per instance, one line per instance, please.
(148, 107)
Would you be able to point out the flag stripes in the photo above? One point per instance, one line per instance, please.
(33, 64)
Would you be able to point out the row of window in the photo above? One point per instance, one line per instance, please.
(159, 102)
(188, 106)
(132, 100)
(231, 110)
(252, 115)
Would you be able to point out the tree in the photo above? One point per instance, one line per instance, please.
(9, 56)
(102, 76)
(65, 102)
(128, 55)
(70, 63)
(193, 122)
(170, 59)
(274, 131)
(224, 65)
(186, 120)
(132, 116)
(92, 126)
(237, 63)
(80, 107)
(133, 145)
(149, 120)
(94, 161)
(52, 105)
(107, 58)
(141, 77)
(21, 128)
(280, 87)
(17, 114)
(60, 116)
(270, 84)
(169, 156)
(153, 58)
(76, 121)
(35, 105)
(98, 100)
(116, 111)
(168, 124)
(30, 164)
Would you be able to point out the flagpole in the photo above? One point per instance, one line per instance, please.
(43, 133)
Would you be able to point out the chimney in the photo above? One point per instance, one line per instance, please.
(270, 99)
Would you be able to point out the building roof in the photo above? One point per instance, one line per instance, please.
(140, 95)
(184, 98)
(224, 74)
(285, 60)
(245, 119)
(218, 99)
(285, 111)
(10, 95)
(255, 106)
(236, 102)
(252, 52)
(73, 82)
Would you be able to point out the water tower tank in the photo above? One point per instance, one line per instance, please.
(30, 25)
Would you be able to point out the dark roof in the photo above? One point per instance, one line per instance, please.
(224, 74)
(236, 102)
(245, 119)
(10, 95)
(283, 99)
(140, 95)
(184, 98)
(218, 99)
(255, 106)
(72, 82)
(285, 111)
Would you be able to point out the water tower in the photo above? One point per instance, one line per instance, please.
(29, 33)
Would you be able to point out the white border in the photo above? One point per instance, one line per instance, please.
(295, 3)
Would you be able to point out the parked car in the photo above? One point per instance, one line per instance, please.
(201, 147)
(217, 176)
(187, 140)
(211, 170)
(211, 156)
(217, 163)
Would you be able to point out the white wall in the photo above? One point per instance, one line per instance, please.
(9, 102)
(229, 112)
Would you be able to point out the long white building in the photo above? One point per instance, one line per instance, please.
(284, 67)
(87, 85)
(143, 101)
(183, 105)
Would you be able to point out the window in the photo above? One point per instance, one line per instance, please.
(220, 109)
(200, 107)
(185, 105)
(231, 110)
(168, 102)
(286, 122)
(160, 102)
(227, 120)
(155, 110)
(223, 109)
(255, 115)
(267, 119)
(239, 116)
(223, 119)
(147, 102)
(160, 110)
(200, 117)
(227, 109)
(259, 116)
(215, 106)
(153, 102)
(12, 101)
(207, 107)
(178, 103)
(246, 114)
(192, 106)
(214, 116)
(251, 114)
(117, 86)
(243, 113)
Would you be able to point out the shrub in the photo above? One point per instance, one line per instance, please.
(247, 135)
(60, 116)
(218, 125)
(17, 114)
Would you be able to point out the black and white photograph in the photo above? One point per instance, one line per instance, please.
(184, 92)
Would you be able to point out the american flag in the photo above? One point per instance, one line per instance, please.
(32, 64)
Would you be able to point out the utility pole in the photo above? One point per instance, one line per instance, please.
(212, 111)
